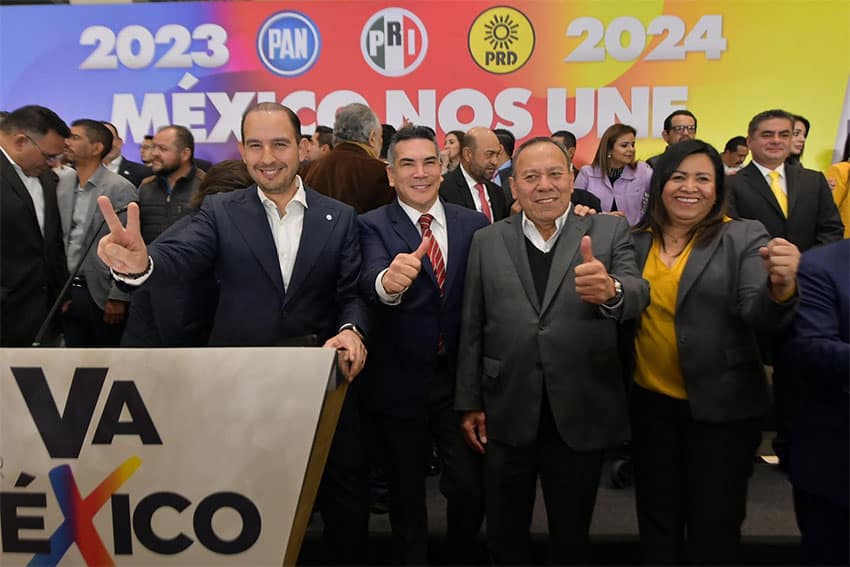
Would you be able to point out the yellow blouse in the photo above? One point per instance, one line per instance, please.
(839, 174)
(656, 348)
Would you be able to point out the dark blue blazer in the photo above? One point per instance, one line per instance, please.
(405, 337)
(231, 236)
(818, 349)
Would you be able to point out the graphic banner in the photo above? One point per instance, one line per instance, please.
(532, 67)
(154, 457)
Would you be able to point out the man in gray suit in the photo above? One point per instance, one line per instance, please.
(540, 381)
(97, 312)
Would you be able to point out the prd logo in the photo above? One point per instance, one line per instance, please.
(501, 40)
(394, 42)
(288, 44)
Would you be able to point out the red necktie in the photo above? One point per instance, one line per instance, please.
(434, 253)
(485, 206)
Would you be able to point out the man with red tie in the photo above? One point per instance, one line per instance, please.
(414, 251)
(469, 185)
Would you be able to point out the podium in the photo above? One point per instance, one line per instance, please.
(162, 456)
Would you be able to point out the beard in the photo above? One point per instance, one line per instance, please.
(166, 170)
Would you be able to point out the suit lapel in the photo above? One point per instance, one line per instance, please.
(11, 177)
(565, 255)
(456, 262)
(697, 261)
(320, 217)
(643, 243)
(249, 218)
(463, 189)
(792, 175)
(411, 237)
(515, 243)
(760, 186)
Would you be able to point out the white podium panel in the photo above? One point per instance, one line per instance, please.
(161, 456)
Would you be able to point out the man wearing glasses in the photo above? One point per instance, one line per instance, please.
(32, 258)
(681, 125)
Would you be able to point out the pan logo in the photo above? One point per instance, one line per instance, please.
(501, 40)
(394, 42)
(289, 44)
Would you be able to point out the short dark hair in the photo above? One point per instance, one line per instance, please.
(668, 122)
(459, 134)
(768, 115)
(411, 133)
(733, 143)
(36, 120)
(325, 136)
(540, 140)
(97, 133)
(271, 107)
(506, 139)
(656, 217)
(387, 133)
(569, 138)
(606, 144)
(148, 137)
(223, 177)
(184, 139)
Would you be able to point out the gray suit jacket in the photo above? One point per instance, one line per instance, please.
(512, 346)
(121, 192)
(722, 300)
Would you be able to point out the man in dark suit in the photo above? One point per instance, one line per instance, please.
(414, 266)
(539, 378)
(793, 203)
(275, 286)
(351, 172)
(679, 126)
(116, 163)
(505, 170)
(818, 350)
(469, 184)
(32, 257)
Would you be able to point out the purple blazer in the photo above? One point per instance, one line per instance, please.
(629, 190)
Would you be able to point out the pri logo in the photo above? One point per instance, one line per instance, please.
(394, 42)
(501, 40)
(289, 44)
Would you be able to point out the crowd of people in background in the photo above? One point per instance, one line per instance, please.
(503, 314)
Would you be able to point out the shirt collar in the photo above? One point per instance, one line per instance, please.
(471, 183)
(527, 225)
(299, 197)
(437, 211)
(15, 165)
(765, 171)
(114, 164)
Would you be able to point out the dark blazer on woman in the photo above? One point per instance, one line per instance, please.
(723, 300)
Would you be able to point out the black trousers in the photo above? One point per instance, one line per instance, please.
(403, 445)
(83, 322)
(570, 480)
(691, 481)
(825, 529)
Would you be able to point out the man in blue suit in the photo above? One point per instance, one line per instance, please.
(818, 351)
(276, 288)
(414, 266)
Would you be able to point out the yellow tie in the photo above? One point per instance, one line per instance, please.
(780, 195)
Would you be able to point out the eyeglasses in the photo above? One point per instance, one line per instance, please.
(47, 156)
(681, 128)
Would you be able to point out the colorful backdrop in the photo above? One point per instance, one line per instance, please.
(532, 67)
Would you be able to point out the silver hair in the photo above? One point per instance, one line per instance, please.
(354, 122)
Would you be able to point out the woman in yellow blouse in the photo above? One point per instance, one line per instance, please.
(838, 177)
(700, 389)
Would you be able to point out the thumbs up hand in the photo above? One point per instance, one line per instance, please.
(593, 284)
(404, 268)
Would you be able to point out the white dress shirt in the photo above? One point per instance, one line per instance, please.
(471, 183)
(533, 235)
(286, 228)
(440, 234)
(780, 170)
(114, 164)
(34, 188)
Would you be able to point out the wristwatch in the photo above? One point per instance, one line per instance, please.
(354, 329)
(618, 292)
